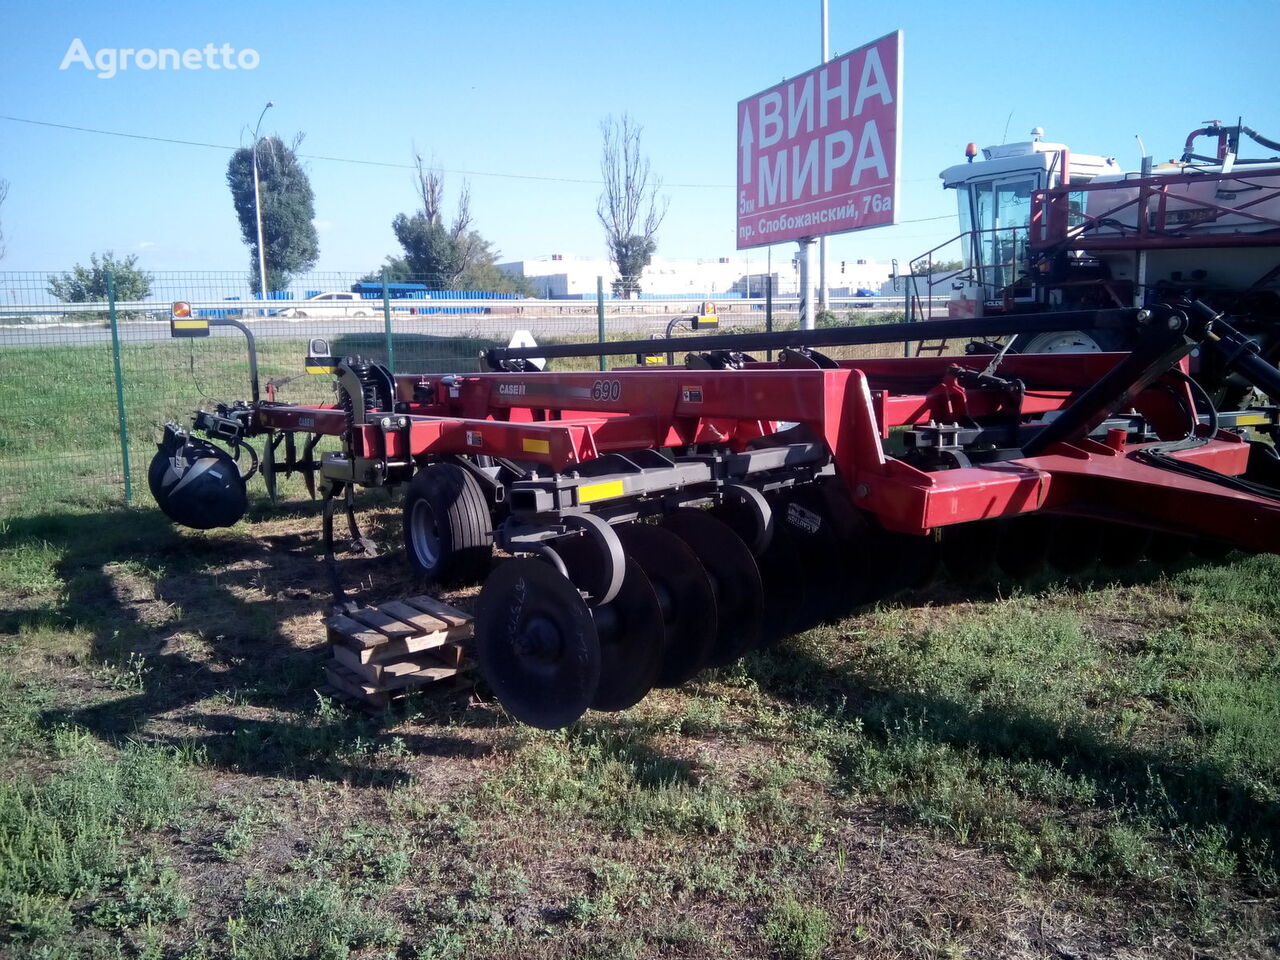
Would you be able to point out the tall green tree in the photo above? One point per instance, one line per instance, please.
(89, 285)
(288, 209)
(629, 209)
(445, 255)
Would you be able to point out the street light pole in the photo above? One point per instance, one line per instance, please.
(257, 207)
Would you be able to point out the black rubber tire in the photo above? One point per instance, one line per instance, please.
(445, 503)
(1107, 341)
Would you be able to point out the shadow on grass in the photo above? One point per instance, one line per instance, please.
(205, 632)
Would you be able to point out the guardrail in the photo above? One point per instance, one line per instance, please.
(158, 310)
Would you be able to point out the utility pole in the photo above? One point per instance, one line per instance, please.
(257, 209)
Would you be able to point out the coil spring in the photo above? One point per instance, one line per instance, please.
(370, 389)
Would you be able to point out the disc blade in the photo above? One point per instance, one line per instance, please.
(969, 552)
(537, 645)
(785, 589)
(735, 578)
(823, 544)
(1076, 544)
(632, 634)
(1024, 545)
(684, 593)
(1122, 545)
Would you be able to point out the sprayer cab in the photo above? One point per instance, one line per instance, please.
(994, 195)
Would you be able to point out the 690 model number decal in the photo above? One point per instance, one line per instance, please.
(606, 390)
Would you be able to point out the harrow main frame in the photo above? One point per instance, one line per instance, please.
(805, 463)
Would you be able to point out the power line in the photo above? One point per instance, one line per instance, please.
(315, 156)
(371, 163)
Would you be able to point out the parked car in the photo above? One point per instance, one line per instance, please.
(331, 306)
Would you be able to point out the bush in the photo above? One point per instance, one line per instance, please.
(796, 931)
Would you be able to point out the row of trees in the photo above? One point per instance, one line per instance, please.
(448, 253)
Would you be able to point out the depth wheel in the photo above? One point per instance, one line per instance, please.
(448, 533)
(537, 644)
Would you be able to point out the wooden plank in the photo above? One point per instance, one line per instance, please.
(395, 649)
(393, 628)
(359, 634)
(424, 622)
(451, 615)
(419, 678)
(350, 659)
(349, 684)
(378, 674)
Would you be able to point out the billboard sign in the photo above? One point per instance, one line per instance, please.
(818, 154)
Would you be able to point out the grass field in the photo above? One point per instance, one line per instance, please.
(1085, 768)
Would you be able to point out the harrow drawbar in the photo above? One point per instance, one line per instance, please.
(660, 522)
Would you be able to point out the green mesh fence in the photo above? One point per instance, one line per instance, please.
(82, 398)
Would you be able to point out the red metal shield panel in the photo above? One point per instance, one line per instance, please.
(818, 154)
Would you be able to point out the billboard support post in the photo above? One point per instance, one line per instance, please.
(806, 283)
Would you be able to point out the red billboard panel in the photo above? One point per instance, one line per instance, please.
(818, 154)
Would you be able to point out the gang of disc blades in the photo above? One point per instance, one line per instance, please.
(685, 595)
(734, 577)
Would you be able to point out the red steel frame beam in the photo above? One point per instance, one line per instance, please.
(562, 419)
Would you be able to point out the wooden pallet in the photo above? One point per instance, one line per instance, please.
(380, 653)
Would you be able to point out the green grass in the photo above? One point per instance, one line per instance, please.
(1092, 754)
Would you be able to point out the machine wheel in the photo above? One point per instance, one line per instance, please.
(448, 533)
(1073, 341)
(537, 644)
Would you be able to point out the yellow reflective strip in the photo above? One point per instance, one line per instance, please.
(600, 491)
(656, 358)
(535, 446)
(190, 324)
(314, 369)
(1252, 419)
(711, 320)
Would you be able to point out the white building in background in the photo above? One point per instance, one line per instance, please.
(560, 275)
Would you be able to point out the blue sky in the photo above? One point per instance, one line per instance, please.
(519, 89)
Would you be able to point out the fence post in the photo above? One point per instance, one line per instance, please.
(768, 309)
(115, 356)
(604, 365)
(386, 321)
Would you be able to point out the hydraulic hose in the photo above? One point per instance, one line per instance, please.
(1255, 136)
